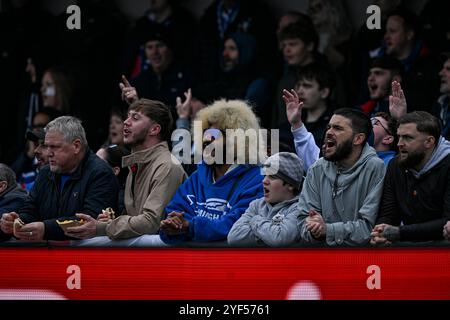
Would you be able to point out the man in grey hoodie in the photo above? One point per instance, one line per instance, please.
(341, 194)
(416, 198)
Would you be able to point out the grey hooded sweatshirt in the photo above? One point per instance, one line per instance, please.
(351, 213)
(442, 150)
(264, 224)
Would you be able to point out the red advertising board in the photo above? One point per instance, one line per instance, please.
(224, 273)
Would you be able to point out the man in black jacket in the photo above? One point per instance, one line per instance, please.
(416, 198)
(76, 181)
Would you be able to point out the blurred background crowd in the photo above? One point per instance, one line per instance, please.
(219, 48)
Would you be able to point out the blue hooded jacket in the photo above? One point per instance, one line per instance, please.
(213, 208)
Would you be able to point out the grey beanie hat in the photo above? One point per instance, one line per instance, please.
(287, 166)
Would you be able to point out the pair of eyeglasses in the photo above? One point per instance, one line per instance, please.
(376, 122)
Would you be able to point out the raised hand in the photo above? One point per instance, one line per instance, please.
(293, 108)
(184, 108)
(129, 93)
(397, 101)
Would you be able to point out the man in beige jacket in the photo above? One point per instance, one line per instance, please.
(154, 177)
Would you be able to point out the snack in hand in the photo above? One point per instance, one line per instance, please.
(110, 212)
(17, 225)
(69, 223)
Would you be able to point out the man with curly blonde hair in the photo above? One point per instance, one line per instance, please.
(206, 206)
(209, 202)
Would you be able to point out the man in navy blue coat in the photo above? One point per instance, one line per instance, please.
(75, 182)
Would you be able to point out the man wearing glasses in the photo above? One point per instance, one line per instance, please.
(384, 136)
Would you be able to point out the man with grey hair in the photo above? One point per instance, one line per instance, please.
(76, 181)
(11, 195)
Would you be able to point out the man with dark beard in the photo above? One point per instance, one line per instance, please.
(341, 194)
(416, 197)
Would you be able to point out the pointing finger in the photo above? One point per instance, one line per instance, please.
(125, 81)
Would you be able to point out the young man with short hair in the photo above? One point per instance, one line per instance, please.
(308, 110)
(152, 181)
(299, 47)
(383, 71)
(403, 41)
